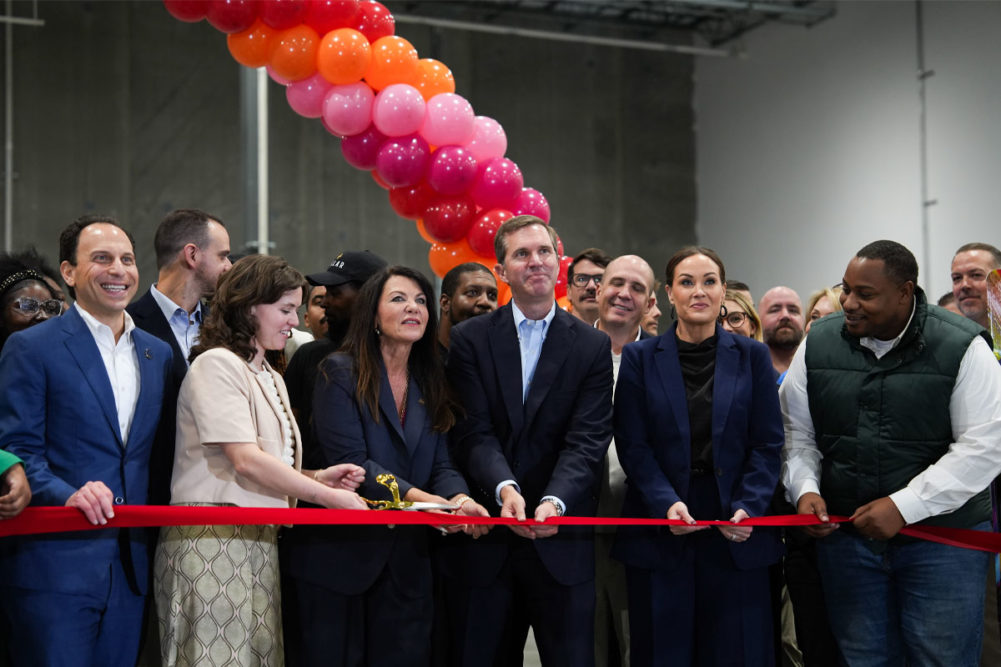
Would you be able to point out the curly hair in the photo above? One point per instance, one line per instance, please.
(425, 364)
(253, 280)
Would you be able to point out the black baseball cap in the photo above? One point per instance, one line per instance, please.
(347, 267)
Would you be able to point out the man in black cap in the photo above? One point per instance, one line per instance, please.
(343, 278)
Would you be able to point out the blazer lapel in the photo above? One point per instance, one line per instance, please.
(507, 363)
(80, 343)
(727, 366)
(416, 416)
(555, 349)
(387, 404)
(273, 402)
(669, 369)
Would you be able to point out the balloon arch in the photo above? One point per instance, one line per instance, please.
(397, 116)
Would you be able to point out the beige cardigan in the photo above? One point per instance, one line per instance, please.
(221, 401)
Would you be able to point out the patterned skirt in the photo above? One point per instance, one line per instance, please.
(218, 600)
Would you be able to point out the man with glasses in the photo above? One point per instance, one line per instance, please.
(583, 278)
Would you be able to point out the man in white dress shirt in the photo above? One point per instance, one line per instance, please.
(893, 416)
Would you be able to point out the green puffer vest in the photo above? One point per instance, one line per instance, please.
(881, 422)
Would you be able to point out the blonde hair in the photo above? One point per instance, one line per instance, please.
(833, 295)
(733, 295)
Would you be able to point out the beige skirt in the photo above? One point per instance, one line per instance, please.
(217, 594)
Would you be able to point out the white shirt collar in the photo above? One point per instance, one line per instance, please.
(99, 329)
(881, 347)
(639, 331)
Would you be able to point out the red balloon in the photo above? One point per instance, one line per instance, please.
(484, 229)
(374, 21)
(327, 15)
(189, 11)
(410, 202)
(232, 15)
(282, 14)
(449, 220)
(561, 277)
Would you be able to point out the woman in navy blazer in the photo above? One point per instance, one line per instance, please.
(699, 431)
(364, 595)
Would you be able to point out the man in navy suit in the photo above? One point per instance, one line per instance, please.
(536, 388)
(80, 398)
(192, 251)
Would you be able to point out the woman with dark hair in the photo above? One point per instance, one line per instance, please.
(25, 297)
(217, 593)
(364, 594)
(698, 431)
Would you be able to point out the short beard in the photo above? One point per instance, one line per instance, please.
(785, 341)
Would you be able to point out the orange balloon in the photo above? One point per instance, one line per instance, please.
(563, 302)
(433, 78)
(252, 47)
(503, 293)
(343, 56)
(294, 54)
(443, 256)
(394, 60)
(424, 232)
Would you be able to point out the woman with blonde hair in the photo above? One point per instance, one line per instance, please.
(739, 316)
(822, 302)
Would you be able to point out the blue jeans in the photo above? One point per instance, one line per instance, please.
(917, 603)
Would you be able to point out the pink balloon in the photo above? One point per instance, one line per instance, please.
(398, 110)
(531, 202)
(498, 184)
(362, 150)
(402, 161)
(452, 170)
(347, 109)
(278, 78)
(489, 140)
(449, 120)
(306, 96)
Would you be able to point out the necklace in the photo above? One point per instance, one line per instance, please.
(403, 404)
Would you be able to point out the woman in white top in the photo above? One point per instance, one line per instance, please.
(216, 587)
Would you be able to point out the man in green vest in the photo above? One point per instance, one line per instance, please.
(893, 417)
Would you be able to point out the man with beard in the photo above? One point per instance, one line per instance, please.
(342, 280)
(970, 266)
(192, 251)
(583, 278)
(782, 323)
(467, 290)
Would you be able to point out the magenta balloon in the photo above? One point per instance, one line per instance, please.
(489, 140)
(398, 110)
(402, 161)
(452, 170)
(362, 150)
(306, 96)
(347, 109)
(449, 120)
(531, 202)
(498, 184)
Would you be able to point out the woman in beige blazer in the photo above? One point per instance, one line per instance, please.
(216, 587)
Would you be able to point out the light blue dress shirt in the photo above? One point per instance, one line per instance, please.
(184, 326)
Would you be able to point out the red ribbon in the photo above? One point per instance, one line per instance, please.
(35, 520)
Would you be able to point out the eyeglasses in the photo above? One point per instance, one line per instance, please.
(29, 306)
(582, 279)
(734, 318)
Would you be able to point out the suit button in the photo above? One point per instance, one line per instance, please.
(119, 500)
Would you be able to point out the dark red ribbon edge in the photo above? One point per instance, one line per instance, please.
(36, 520)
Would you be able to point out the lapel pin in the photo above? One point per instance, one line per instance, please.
(149, 355)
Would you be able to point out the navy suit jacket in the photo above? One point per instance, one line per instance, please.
(57, 412)
(653, 441)
(552, 444)
(349, 559)
(147, 316)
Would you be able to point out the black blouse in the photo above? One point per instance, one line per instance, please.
(698, 368)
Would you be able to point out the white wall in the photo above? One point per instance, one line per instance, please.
(810, 148)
